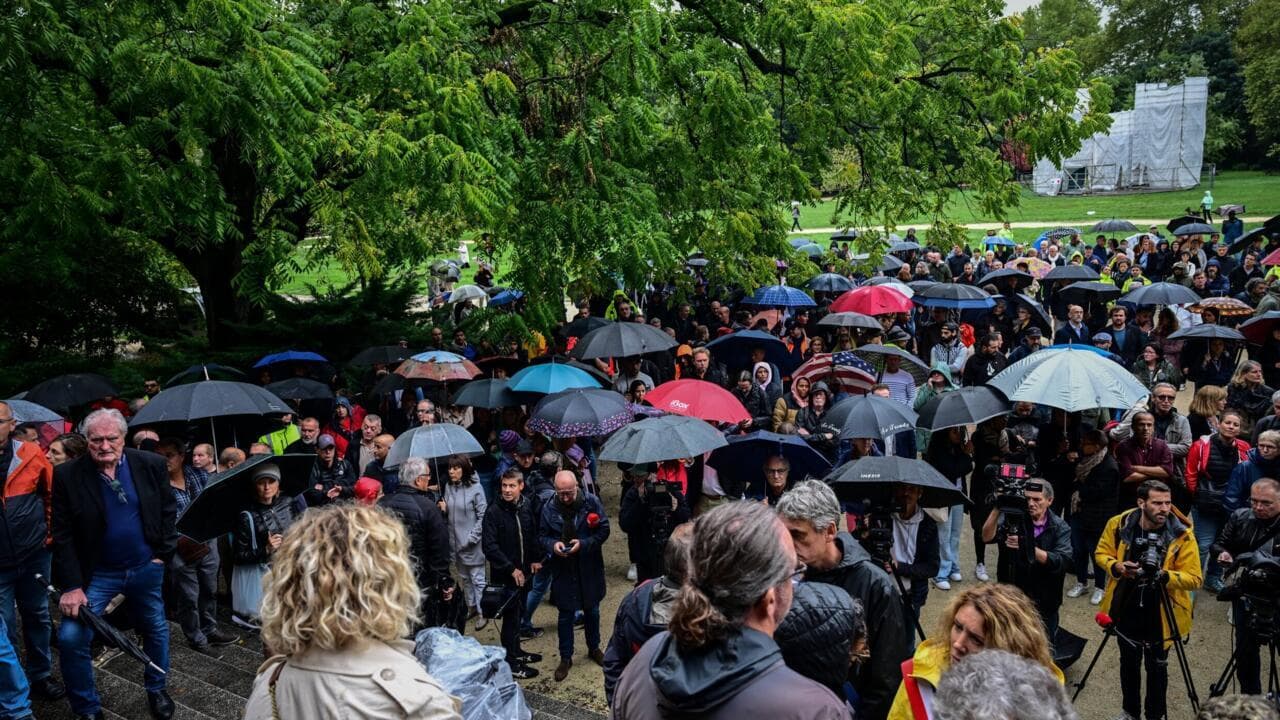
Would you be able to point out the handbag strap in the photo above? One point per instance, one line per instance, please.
(253, 531)
(271, 688)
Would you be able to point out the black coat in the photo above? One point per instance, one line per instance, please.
(577, 580)
(249, 542)
(1134, 339)
(79, 517)
(510, 540)
(1042, 583)
(1099, 495)
(428, 534)
(340, 474)
(636, 520)
(1242, 533)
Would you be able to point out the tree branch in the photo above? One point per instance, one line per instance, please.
(757, 58)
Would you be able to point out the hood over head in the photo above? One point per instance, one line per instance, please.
(697, 682)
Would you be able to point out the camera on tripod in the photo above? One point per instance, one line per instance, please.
(658, 500)
(1255, 579)
(1011, 483)
(1148, 552)
(876, 532)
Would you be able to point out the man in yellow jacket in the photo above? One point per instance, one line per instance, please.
(1134, 596)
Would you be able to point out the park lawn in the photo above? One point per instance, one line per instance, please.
(1257, 191)
(329, 273)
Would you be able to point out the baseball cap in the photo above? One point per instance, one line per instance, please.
(1100, 337)
(1034, 332)
(324, 442)
(524, 447)
(270, 470)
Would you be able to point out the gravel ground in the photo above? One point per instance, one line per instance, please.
(1208, 648)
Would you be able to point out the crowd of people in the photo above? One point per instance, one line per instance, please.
(758, 592)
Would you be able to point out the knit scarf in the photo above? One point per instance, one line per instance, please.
(1088, 463)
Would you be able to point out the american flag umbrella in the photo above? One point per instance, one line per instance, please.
(843, 370)
(699, 399)
(780, 296)
(872, 300)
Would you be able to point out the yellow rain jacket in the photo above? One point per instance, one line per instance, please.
(932, 658)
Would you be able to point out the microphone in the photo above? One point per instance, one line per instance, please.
(1104, 620)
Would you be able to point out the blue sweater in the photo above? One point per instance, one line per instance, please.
(123, 546)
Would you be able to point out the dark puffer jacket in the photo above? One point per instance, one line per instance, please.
(816, 637)
(257, 524)
(428, 534)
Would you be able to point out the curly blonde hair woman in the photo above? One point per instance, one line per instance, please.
(986, 617)
(340, 596)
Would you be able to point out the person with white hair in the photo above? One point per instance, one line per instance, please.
(1000, 685)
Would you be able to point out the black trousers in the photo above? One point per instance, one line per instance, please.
(510, 632)
(1248, 660)
(1133, 660)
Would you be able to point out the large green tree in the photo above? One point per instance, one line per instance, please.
(1259, 47)
(595, 140)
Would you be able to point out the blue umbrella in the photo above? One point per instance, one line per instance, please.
(505, 297)
(734, 350)
(744, 456)
(996, 240)
(799, 241)
(289, 356)
(812, 250)
(781, 296)
(550, 378)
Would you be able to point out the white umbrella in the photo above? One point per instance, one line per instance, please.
(892, 284)
(469, 292)
(1070, 378)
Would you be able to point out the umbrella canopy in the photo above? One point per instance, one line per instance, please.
(603, 380)
(1273, 258)
(381, 355)
(106, 632)
(796, 242)
(780, 296)
(872, 300)
(954, 296)
(1225, 306)
(966, 406)
(871, 416)
(842, 371)
(432, 441)
(1258, 329)
(903, 246)
(1113, 225)
(1056, 233)
(208, 399)
(487, 393)
(289, 356)
(895, 284)
(921, 285)
(438, 366)
(997, 241)
(1161, 293)
(550, 378)
(873, 478)
(889, 263)
(582, 326)
(1223, 210)
(850, 320)
(1071, 272)
(1178, 222)
(699, 399)
(771, 316)
(875, 354)
(216, 510)
(25, 411)
(1195, 228)
(1259, 233)
(207, 371)
(1089, 291)
(813, 250)
(67, 391)
(744, 456)
(1208, 331)
(623, 339)
(1000, 276)
(697, 262)
(1070, 378)
(734, 350)
(829, 282)
(505, 297)
(668, 437)
(300, 389)
(580, 413)
(845, 234)
(463, 293)
(1039, 317)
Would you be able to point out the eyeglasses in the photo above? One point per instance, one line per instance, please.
(798, 574)
(1165, 397)
(775, 471)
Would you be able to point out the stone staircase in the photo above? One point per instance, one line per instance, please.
(204, 688)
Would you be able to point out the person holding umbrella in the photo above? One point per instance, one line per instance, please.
(257, 535)
(915, 552)
(114, 520)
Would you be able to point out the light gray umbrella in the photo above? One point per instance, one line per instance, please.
(1070, 378)
(25, 411)
(433, 441)
(668, 437)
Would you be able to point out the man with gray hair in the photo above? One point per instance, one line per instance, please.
(998, 685)
(427, 531)
(811, 514)
(1171, 426)
(114, 528)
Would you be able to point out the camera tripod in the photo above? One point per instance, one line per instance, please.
(1273, 675)
(906, 601)
(1180, 649)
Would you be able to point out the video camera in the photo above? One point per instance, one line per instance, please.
(875, 533)
(1255, 579)
(1011, 483)
(658, 494)
(1148, 551)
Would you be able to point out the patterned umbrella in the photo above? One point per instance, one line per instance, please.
(581, 412)
(1035, 267)
(842, 371)
(1226, 307)
(437, 368)
(780, 296)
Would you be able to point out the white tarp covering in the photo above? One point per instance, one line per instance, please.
(1158, 145)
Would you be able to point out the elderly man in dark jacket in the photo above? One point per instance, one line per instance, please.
(1037, 571)
(510, 544)
(114, 528)
(427, 531)
(572, 530)
(811, 513)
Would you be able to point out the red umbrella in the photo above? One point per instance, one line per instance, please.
(1273, 258)
(699, 399)
(872, 300)
(854, 376)
(461, 369)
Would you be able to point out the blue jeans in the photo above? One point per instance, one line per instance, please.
(949, 542)
(15, 700)
(541, 583)
(18, 584)
(141, 589)
(1207, 525)
(590, 627)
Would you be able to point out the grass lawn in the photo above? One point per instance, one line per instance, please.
(330, 273)
(1258, 192)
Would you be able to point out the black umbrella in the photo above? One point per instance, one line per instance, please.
(207, 371)
(889, 263)
(996, 276)
(873, 478)
(1072, 273)
(845, 234)
(1195, 228)
(432, 441)
(623, 339)
(851, 320)
(734, 350)
(582, 326)
(1089, 291)
(745, 455)
(208, 399)
(667, 437)
(388, 383)
(921, 285)
(966, 406)
(871, 416)
(297, 388)
(580, 412)
(1113, 225)
(486, 393)
(904, 246)
(382, 355)
(67, 391)
(1178, 222)
(953, 296)
(1210, 331)
(510, 365)
(1161, 293)
(1038, 315)
(1258, 328)
(105, 631)
(216, 510)
(829, 282)
(1259, 233)
(875, 353)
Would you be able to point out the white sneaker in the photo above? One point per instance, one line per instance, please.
(1096, 597)
(956, 576)
(1231, 616)
(980, 572)
(1077, 590)
(631, 573)
(942, 584)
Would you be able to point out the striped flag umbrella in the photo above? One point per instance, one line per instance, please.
(841, 371)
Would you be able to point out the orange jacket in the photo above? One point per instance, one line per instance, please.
(27, 504)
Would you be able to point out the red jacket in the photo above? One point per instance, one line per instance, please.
(1198, 459)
